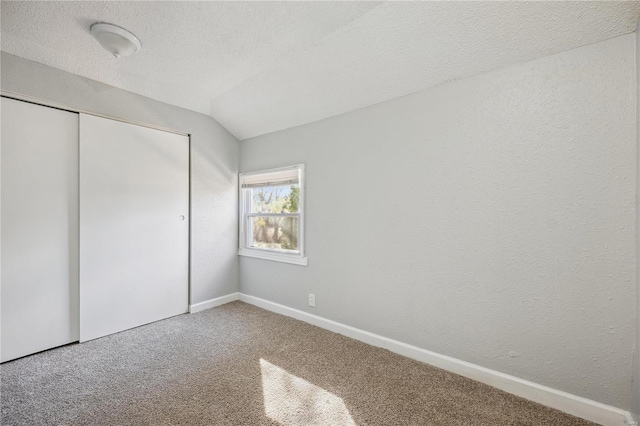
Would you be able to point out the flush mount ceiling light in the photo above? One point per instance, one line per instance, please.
(116, 40)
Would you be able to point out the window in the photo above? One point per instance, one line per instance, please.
(272, 214)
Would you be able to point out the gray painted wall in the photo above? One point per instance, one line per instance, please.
(635, 391)
(491, 219)
(214, 162)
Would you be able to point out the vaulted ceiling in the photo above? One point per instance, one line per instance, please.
(258, 67)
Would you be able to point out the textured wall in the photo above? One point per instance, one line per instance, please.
(491, 219)
(214, 162)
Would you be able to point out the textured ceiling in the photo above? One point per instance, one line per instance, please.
(265, 66)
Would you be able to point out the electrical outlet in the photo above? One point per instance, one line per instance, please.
(312, 300)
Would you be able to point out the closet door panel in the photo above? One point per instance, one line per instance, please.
(134, 225)
(39, 228)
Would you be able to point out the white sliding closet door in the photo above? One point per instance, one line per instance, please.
(39, 234)
(134, 226)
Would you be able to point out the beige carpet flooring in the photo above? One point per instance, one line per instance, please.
(241, 365)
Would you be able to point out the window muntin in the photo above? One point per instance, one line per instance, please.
(271, 214)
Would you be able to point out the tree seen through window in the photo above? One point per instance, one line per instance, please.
(275, 232)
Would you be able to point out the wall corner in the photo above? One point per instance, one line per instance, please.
(635, 387)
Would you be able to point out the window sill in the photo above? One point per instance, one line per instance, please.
(277, 257)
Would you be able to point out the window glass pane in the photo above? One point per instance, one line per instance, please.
(275, 199)
(275, 232)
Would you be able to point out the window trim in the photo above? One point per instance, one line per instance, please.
(244, 199)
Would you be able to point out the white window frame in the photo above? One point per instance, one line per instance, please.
(245, 203)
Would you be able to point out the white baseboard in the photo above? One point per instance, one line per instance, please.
(630, 420)
(212, 303)
(572, 404)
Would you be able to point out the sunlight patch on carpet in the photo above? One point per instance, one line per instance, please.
(289, 399)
